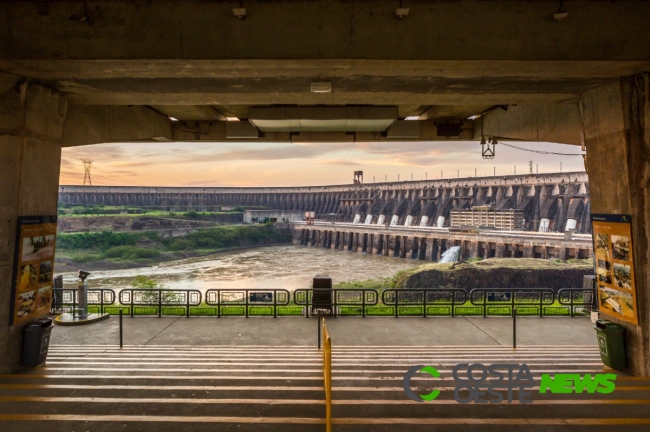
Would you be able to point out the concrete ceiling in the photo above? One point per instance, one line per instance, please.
(194, 60)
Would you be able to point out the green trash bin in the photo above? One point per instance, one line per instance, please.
(611, 343)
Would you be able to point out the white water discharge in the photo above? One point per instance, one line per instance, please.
(450, 255)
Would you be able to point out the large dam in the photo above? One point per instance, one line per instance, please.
(549, 202)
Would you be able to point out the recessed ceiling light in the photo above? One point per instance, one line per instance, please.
(232, 119)
(412, 118)
(474, 117)
(321, 87)
(173, 119)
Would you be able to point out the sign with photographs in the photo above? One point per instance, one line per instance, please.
(33, 268)
(615, 266)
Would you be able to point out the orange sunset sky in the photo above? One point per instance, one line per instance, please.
(294, 164)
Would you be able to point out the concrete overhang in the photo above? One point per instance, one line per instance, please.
(322, 119)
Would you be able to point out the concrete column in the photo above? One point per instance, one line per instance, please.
(500, 251)
(428, 255)
(31, 130)
(404, 246)
(616, 120)
(472, 249)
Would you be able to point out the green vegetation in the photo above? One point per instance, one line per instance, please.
(151, 246)
(131, 252)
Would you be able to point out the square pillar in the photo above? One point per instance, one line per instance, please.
(31, 129)
(616, 119)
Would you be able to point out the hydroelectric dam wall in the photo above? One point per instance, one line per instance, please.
(549, 202)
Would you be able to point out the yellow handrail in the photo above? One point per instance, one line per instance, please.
(327, 376)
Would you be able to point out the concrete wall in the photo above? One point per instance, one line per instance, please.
(617, 131)
(428, 245)
(553, 196)
(31, 124)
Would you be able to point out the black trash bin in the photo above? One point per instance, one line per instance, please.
(36, 341)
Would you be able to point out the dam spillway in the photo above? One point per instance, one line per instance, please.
(430, 243)
(549, 202)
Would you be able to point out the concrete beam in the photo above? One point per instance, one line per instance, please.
(104, 124)
(558, 123)
(215, 131)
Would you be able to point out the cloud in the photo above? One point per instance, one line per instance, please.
(338, 162)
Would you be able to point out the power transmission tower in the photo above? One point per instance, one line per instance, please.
(87, 165)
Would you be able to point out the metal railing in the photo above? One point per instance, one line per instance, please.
(160, 301)
(425, 301)
(500, 302)
(362, 302)
(247, 301)
(577, 299)
(345, 301)
(65, 300)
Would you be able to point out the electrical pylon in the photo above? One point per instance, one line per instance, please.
(87, 165)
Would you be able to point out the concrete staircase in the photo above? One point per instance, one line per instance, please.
(262, 388)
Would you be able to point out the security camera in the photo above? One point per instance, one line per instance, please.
(81, 274)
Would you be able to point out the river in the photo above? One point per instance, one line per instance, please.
(287, 267)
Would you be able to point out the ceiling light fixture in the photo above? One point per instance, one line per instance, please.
(173, 119)
(560, 15)
(232, 119)
(321, 87)
(81, 17)
(412, 118)
(239, 12)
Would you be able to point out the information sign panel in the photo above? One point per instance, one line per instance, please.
(33, 268)
(614, 262)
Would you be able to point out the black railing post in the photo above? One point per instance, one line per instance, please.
(541, 303)
(121, 337)
(424, 293)
(101, 302)
(363, 303)
(159, 303)
(514, 328)
(571, 296)
(132, 302)
(335, 295)
(275, 303)
(218, 303)
(396, 303)
(246, 300)
(187, 294)
(484, 294)
(453, 301)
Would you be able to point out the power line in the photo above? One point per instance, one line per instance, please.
(540, 151)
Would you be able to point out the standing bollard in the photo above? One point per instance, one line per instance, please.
(121, 328)
(514, 328)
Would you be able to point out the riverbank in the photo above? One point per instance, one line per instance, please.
(109, 250)
(489, 273)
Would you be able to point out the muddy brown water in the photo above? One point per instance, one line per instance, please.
(287, 267)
